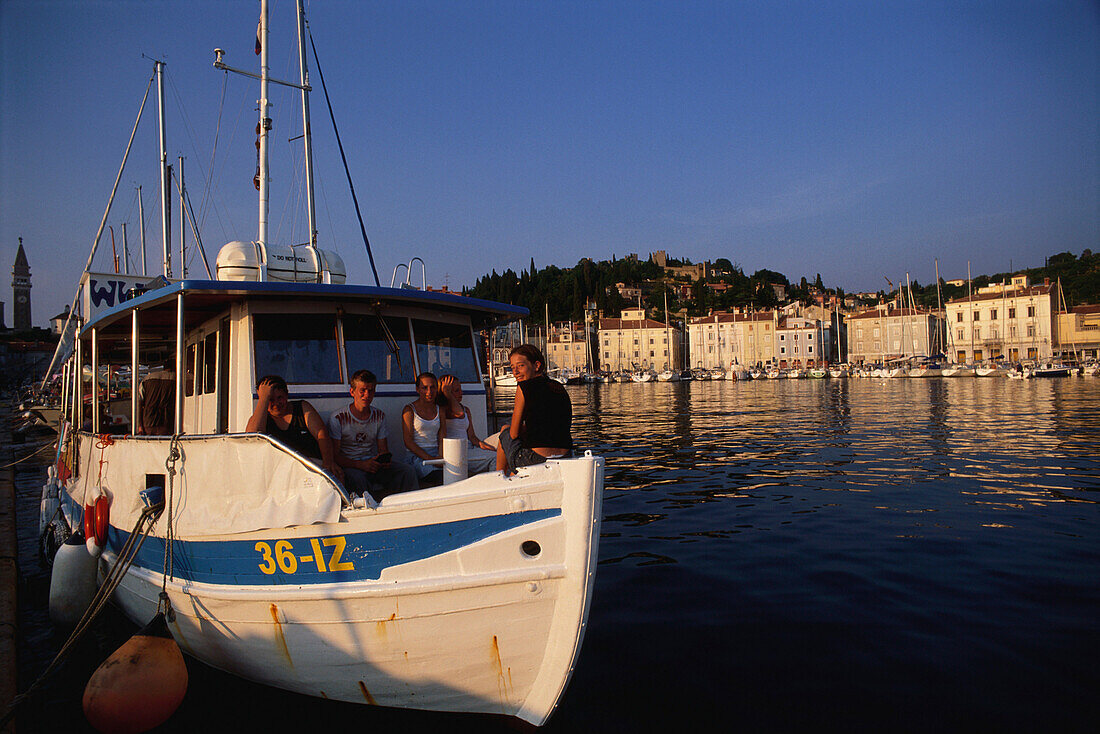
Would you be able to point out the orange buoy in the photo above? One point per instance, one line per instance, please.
(140, 685)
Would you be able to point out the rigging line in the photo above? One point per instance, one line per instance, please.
(207, 191)
(347, 171)
(187, 126)
(190, 214)
(106, 213)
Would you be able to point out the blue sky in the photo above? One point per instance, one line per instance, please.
(850, 139)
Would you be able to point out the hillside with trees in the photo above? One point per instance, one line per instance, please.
(565, 291)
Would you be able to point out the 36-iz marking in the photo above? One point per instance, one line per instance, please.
(282, 557)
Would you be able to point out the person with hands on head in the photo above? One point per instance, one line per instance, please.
(420, 426)
(541, 415)
(362, 443)
(294, 423)
(456, 423)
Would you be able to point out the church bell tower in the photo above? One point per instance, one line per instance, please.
(21, 289)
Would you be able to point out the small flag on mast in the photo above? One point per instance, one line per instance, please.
(259, 46)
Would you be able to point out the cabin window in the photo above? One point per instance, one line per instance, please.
(381, 345)
(189, 367)
(300, 348)
(210, 367)
(446, 349)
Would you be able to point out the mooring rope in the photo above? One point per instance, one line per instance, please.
(114, 577)
(36, 452)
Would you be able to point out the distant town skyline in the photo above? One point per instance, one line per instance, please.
(852, 139)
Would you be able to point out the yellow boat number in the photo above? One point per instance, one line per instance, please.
(282, 556)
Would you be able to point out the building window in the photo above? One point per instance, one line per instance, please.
(1030, 330)
(782, 350)
(959, 316)
(977, 315)
(1031, 312)
(1011, 313)
(782, 337)
(993, 314)
(809, 349)
(960, 332)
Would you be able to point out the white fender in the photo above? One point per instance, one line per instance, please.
(73, 582)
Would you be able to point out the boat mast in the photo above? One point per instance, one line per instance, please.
(668, 338)
(970, 300)
(303, 75)
(165, 202)
(141, 223)
(264, 129)
(939, 303)
(183, 222)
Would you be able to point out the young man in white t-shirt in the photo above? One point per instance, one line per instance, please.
(360, 440)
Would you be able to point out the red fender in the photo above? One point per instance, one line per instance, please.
(102, 519)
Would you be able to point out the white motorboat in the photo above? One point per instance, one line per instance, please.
(472, 596)
(668, 376)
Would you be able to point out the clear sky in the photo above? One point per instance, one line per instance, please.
(851, 139)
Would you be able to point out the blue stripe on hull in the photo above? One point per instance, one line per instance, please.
(294, 561)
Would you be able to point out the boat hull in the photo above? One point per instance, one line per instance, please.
(471, 597)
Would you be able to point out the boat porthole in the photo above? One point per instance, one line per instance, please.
(530, 548)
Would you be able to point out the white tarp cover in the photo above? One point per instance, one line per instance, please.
(224, 484)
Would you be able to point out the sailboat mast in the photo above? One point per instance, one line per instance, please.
(970, 300)
(263, 128)
(939, 305)
(166, 233)
(141, 223)
(307, 135)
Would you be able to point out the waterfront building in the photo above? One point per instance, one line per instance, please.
(886, 333)
(633, 341)
(720, 339)
(1078, 333)
(802, 341)
(1013, 321)
(566, 347)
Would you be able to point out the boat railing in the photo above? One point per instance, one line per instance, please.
(408, 274)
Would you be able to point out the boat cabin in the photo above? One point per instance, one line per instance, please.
(220, 337)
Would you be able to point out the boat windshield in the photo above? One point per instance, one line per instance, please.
(446, 349)
(300, 347)
(381, 345)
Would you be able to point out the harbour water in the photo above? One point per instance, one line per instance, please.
(889, 555)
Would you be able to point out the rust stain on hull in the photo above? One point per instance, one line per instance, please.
(504, 681)
(280, 638)
(366, 694)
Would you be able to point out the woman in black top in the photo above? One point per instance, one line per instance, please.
(540, 418)
(296, 424)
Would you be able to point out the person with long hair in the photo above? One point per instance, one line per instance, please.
(456, 423)
(420, 426)
(541, 416)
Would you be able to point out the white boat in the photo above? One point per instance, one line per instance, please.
(958, 370)
(643, 376)
(795, 373)
(504, 378)
(774, 374)
(757, 374)
(467, 597)
(992, 369)
(668, 376)
(840, 370)
(738, 372)
(926, 369)
(900, 371)
(818, 373)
